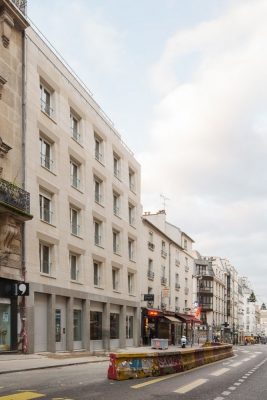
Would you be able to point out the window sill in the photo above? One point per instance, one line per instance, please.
(117, 254)
(76, 282)
(99, 287)
(77, 236)
(49, 170)
(100, 162)
(77, 141)
(116, 291)
(48, 223)
(99, 204)
(99, 245)
(77, 188)
(47, 275)
(49, 116)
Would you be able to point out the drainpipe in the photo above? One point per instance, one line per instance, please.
(170, 275)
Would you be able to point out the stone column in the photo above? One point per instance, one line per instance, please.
(122, 326)
(30, 320)
(86, 324)
(51, 323)
(136, 327)
(69, 324)
(106, 326)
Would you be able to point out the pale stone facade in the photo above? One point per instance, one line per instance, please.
(167, 274)
(82, 247)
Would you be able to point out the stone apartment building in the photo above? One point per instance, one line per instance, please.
(14, 199)
(167, 277)
(81, 249)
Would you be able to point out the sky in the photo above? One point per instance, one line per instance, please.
(185, 83)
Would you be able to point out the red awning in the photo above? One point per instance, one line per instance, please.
(187, 318)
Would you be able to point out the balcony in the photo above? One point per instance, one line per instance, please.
(177, 286)
(206, 307)
(163, 253)
(163, 280)
(205, 289)
(150, 275)
(12, 196)
(151, 246)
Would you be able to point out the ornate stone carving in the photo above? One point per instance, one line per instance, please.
(3, 81)
(9, 229)
(6, 24)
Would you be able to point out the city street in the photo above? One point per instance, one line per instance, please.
(240, 377)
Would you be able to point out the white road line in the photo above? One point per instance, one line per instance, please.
(232, 388)
(237, 383)
(226, 393)
(190, 386)
(246, 359)
(240, 380)
(254, 355)
(219, 398)
(236, 364)
(245, 351)
(220, 371)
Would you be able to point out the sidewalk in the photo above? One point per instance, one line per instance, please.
(10, 363)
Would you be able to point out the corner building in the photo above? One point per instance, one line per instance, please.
(82, 246)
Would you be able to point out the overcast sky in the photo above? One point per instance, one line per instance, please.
(185, 82)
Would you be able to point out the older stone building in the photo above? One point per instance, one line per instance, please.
(14, 200)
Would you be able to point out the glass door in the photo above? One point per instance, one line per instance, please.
(5, 325)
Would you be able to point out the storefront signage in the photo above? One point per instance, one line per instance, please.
(149, 297)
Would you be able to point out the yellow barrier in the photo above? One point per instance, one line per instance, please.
(141, 365)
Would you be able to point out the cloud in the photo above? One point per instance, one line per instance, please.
(208, 136)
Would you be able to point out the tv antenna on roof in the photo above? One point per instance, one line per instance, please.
(164, 199)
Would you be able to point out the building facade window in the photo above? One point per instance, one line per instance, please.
(75, 174)
(115, 279)
(131, 249)
(116, 204)
(116, 166)
(99, 149)
(116, 241)
(129, 326)
(114, 326)
(46, 154)
(45, 258)
(97, 273)
(75, 127)
(98, 186)
(131, 214)
(46, 100)
(98, 228)
(74, 267)
(45, 202)
(77, 325)
(95, 325)
(132, 183)
(74, 221)
(131, 283)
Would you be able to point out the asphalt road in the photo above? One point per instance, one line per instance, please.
(243, 376)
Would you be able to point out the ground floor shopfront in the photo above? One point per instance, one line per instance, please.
(167, 325)
(66, 320)
(8, 316)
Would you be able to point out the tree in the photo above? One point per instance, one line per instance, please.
(252, 298)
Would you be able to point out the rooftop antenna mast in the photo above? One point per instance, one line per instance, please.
(164, 199)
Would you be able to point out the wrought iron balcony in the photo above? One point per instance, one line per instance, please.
(14, 196)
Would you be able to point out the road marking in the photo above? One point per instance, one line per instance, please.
(246, 359)
(22, 396)
(236, 364)
(232, 388)
(225, 393)
(220, 371)
(254, 355)
(237, 383)
(240, 380)
(162, 378)
(190, 386)
(219, 398)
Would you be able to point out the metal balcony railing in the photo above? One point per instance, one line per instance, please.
(163, 280)
(177, 286)
(151, 245)
(14, 196)
(150, 275)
